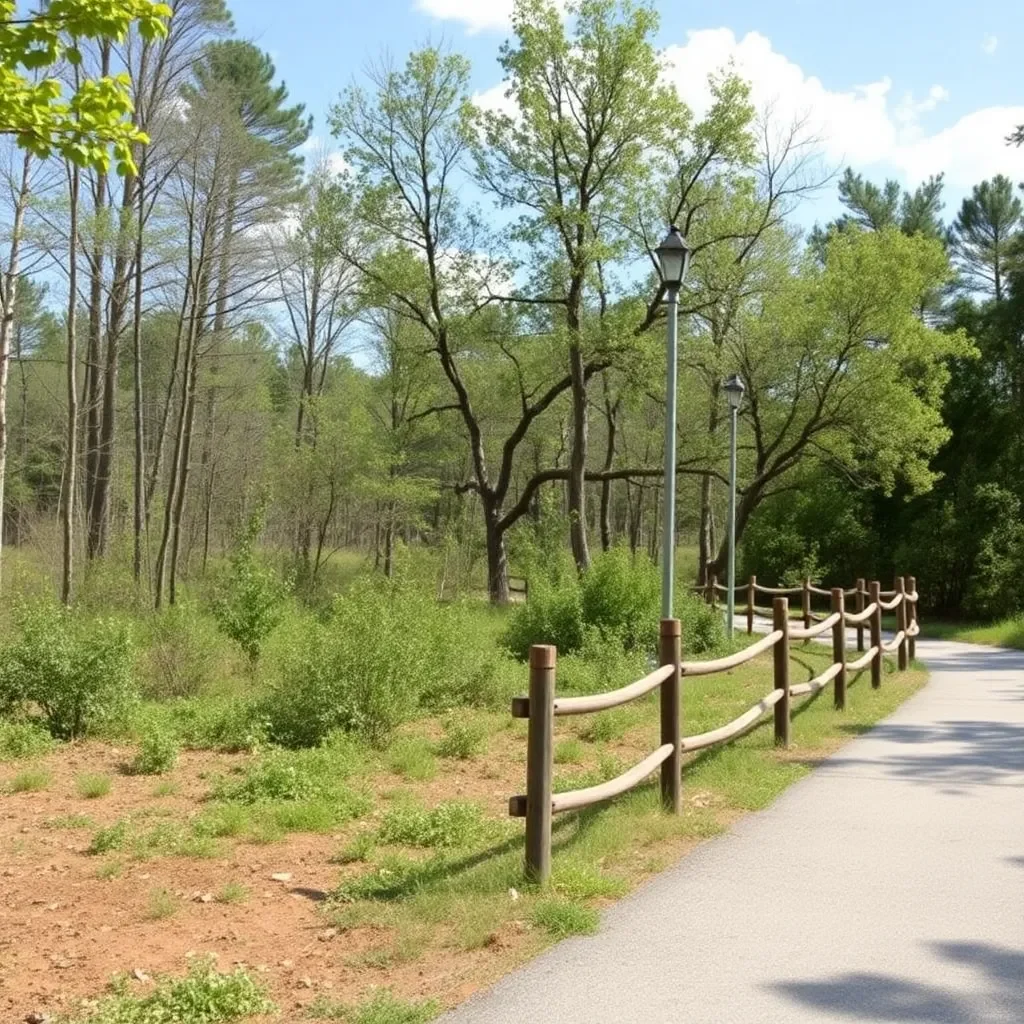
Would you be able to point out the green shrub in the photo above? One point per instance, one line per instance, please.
(231, 725)
(182, 653)
(413, 758)
(703, 627)
(251, 599)
(454, 823)
(367, 668)
(620, 595)
(161, 905)
(77, 671)
(157, 753)
(463, 738)
(19, 740)
(381, 1008)
(552, 615)
(203, 996)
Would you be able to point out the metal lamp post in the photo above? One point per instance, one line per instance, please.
(734, 390)
(673, 261)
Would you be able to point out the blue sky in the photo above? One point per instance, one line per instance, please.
(902, 88)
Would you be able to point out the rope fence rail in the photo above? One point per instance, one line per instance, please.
(541, 707)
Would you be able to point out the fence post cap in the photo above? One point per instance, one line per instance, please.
(543, 656)
(671, 627)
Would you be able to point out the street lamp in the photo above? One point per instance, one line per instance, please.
(734, 394)
(673, 261)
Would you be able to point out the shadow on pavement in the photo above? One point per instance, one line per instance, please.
(885, 997)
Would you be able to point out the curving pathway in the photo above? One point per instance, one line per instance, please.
(886, 886)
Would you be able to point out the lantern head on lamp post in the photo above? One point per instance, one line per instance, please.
(673, 259)
(734, 391)
(673, 262)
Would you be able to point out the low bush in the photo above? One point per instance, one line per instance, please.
(450, 824)
(463, 738)
(19, 740)
(552, 615)
(702, 626)
(366, 669)
(182, 653)
(92, 786)
(230, 725)
(76, 670)
(157, 753)
(620, 595)
(30, 780)
(413, 758)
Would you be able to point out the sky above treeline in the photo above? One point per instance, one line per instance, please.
(894, 88)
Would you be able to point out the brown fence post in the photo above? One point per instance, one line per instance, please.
(839, 647)
(901, 623)
(875, 597)
(670, 649)
(806, 603)
(861, 604)
(780, 621)
(912, 618)
(751, 595)
(540, 762)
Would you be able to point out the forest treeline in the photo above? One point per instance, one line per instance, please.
(449, 331)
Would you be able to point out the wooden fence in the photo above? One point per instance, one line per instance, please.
(541, 707)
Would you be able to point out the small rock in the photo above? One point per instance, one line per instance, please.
(306, 982)
(327, 934)
(513, 893)
(286, 963)
(202, 897)
(281, 876)
(36, 1018)
(140, 975)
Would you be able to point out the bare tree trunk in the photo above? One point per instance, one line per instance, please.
(611, 412)
(497, 559)
(139, 467)
(578, 463)
(10, 291)
(71, 437)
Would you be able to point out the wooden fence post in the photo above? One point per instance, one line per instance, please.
(806, 605)
(540, 762)
(839, 647)
(861, 604)
(670, 649)
(901, 623)
(912, 618)
(875, 597)
(751, 595)
(780, 621)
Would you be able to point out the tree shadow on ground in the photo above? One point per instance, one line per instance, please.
(963, 752)
(998, 993)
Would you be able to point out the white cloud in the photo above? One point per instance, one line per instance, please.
(496, 99)
(861, 126)
(476, 15)
(990, 44)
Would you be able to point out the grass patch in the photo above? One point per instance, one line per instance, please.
(164, 839)
(358, 850)
(31, 780)
(450, 824)
(109, 869)
(463, 738)
(70, 821)
(412, 757)
(161, 904)
(381, 1008)
(202, 996)
(561, 918)
(92, 786)
(1005, 633)
(569, 751)
(19, 740)
(232, 892)
(165, 787)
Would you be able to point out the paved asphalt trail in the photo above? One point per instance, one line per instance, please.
(886, 886)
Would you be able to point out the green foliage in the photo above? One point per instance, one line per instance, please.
(453, 823)
(232, 892)
(568, 751)
(157, 753)
(92, 786)
(703, 628)
(182, 653)
(381, 1008)
(413, 758)
(30, 780)
(367, 668)
(252, 597)
(561, 918)
(161, 904)
(463, 738)
(620, 595)
(231, 725)
(76, 671)
(202, 996)
(552, 615)
(19, 740)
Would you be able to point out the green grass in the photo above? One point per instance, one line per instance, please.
(202, 996)
(19, 740)
(70, 821)
(30, 780)
(463, 738)
(569, 751)
(562, 917)
(92, 786)
(450, 824)
(140, 841)
(232, 892)
(1006, 633)
(412, 757)
(165, 787)
(381, 1008)
(161, 904)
